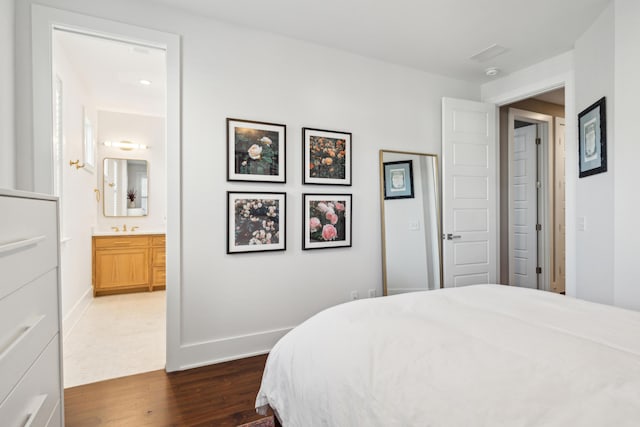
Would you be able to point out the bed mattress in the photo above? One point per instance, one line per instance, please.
(484, 355)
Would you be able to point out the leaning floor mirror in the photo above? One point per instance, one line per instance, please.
(410, 216)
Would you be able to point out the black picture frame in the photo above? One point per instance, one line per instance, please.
(592, 139)
(326, 221)
(256, 151)
(256, 222)
(398, 180)
(326, 157)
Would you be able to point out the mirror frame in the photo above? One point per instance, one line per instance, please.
(104, 189)
(382, 214)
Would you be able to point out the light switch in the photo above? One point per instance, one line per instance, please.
(414, 226)
(582, 223)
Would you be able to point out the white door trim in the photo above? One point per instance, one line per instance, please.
(44, 21)
(527, 89)
(546, 175)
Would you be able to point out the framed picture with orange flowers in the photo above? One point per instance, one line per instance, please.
(326, 157)
(256, 151)
(326, 221)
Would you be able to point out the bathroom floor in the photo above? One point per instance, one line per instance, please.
(118, 335)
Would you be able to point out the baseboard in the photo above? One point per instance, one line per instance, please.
(76, 313)
(226, 349)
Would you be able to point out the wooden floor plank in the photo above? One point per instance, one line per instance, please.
(218, 395)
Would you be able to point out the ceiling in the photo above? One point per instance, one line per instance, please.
(554, 96)
(432, 35)
(111, 72)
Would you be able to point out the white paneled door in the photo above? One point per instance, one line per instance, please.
(523, 207)
(469, 200)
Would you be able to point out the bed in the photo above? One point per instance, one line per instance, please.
(484, 355)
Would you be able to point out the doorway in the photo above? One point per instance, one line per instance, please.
(109, 115)
(533, 177)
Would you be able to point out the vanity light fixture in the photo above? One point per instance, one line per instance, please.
(144, 82)
(126, 145)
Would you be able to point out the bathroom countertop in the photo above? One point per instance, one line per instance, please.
(127, 233)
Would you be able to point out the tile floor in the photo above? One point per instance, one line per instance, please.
(118, 335)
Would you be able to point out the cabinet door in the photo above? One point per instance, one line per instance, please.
(123, 268)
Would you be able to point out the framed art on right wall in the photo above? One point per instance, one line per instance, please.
(592, 143)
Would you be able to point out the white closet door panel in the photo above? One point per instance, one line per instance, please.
(469, 164)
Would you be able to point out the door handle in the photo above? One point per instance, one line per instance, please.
(450, 236)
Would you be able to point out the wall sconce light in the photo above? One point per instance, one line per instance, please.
(77, 164)
(126, 145)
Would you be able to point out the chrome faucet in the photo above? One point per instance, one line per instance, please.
(124, 227)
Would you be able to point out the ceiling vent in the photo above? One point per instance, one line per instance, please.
(489, 53)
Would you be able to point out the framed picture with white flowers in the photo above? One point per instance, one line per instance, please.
(256, 151)
(326, 221)
(256, 222)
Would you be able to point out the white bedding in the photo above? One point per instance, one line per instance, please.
(484, 355)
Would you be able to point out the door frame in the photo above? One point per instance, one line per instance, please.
(538, 79)
(43, 22)
(546, 178)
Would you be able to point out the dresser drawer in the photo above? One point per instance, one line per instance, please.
(28, 240)
(119, 242)
(37, 394)
(28, 321)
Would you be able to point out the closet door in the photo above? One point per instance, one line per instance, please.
(469, 199)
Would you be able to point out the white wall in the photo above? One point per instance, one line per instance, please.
(78, 207)
(149, 130)
(594, 78)
(626, 151)
(234, 305)
(7, 80)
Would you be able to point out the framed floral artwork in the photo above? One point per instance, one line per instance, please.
(256, 222)
(256, 151)
(326, 157)
(326, 221)
(592, 141)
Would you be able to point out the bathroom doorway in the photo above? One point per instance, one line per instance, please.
(532, 145)
(110, 162)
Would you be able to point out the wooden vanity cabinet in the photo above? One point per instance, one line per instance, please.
(123, 264)
(158, 263)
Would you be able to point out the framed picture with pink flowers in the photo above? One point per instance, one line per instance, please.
(256, 151)
(326, 157)
(326, 221)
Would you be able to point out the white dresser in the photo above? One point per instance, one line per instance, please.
(30, 344)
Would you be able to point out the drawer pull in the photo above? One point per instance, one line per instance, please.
(20, 244)
(19, 336)
(37, 406)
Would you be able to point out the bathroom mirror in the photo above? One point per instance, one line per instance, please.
(410, 215)
(125, 187)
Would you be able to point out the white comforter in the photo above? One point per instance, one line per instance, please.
(485, 355)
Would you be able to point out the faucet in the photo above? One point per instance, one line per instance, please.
(134, 228)
(116, 229)
(124, 227)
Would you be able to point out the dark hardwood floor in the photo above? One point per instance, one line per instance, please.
(217, 395)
